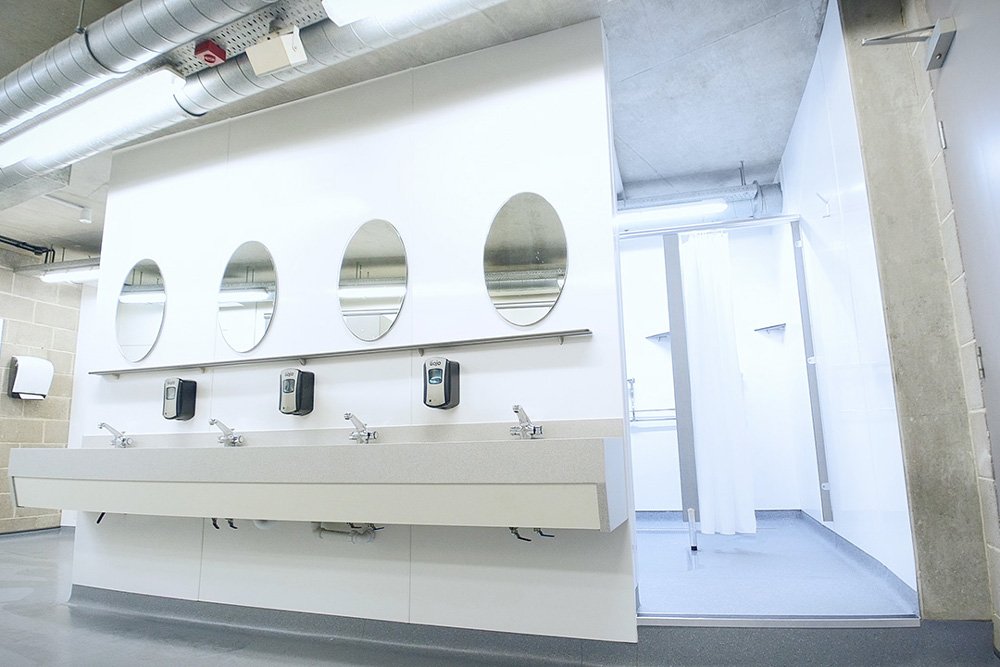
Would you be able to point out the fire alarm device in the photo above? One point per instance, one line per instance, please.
(210, 53)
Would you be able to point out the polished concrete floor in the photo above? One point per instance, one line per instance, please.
(38, 627)
(791, 567)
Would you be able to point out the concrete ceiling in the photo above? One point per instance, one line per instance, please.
(696, 87)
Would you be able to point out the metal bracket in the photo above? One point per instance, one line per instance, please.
(938, 37)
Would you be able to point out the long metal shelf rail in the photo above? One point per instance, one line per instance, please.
(303, 358)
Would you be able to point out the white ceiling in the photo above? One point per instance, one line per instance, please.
(696, 87)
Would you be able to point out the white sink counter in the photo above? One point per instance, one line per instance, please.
(546, 483)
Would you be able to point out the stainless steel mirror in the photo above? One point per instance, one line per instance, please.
(246, 296)
(372, 280)
(525, 259)
(141, 304)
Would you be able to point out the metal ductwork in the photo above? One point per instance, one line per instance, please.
(116, 44)
(325, 44)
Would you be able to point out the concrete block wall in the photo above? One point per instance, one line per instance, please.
(929, 338)
(39, 319)
(915, 15)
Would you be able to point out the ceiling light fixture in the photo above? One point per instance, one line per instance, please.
(650, 219)
(252, 295)
(149, 96)
(145, 296)
(345, 12)
(80, 275)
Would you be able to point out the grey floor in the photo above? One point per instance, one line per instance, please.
(38, 627)
(792, 567)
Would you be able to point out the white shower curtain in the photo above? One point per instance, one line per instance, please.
(722, 457)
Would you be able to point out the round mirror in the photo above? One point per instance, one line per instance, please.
(372, 280)
(246, 296)
(525, 259)
(141, 304)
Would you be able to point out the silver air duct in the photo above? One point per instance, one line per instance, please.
(325, 44)
(121, 41)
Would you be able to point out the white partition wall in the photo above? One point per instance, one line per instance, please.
(436, 151)
(822, 161)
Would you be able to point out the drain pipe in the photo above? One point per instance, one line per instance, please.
(325, 44)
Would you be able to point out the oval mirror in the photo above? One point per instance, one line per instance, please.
(525, 259)
(372, 280)
(141, 304)
(246, 296)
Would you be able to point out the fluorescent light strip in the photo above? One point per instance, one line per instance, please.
(151, 296)
(654, 218)
(99, 116)
(83, 275)
(345, 12)
(245, 296)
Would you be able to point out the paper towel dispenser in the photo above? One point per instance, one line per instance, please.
(30, 377)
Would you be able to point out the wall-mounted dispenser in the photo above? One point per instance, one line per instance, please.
(296, 392)
(179, 398)
(440, 383)
(30, 377)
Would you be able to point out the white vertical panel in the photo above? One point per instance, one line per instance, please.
(823, 156)
(289, 566)
(436, 151)
(152, 555)
(486, 578)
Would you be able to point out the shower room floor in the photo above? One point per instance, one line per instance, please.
(793, 567)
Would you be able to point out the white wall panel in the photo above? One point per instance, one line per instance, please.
(823, 157)
(436, 151)
(288, 566)
(152, 555)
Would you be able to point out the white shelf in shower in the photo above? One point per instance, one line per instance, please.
(569, 483)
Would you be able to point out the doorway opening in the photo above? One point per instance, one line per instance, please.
(761, 489)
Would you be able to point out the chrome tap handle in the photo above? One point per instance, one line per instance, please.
(229, 437)
(361, 433)
(118, 438)
(522, 416)
(525, 429)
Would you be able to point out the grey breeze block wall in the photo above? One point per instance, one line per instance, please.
(39, 319)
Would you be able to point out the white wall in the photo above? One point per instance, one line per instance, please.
(823, 157)
(436, 151)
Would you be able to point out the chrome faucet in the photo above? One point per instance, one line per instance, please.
(525, 429)
(229, 437)
(118, 438)
(361, 434)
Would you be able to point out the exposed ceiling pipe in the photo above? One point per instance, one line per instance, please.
(325, 44)
(115, 44)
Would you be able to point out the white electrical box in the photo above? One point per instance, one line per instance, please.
(277, 51)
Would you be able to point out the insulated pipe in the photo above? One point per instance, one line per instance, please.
(115, 44)
(325, 44)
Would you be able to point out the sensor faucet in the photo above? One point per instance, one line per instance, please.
(361, 434)
(525, 429)
(118, 438)
(229, 437)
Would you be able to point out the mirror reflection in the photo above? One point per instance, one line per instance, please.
(372, 280)
(141, 304)
(246, 296)
(525, 259)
